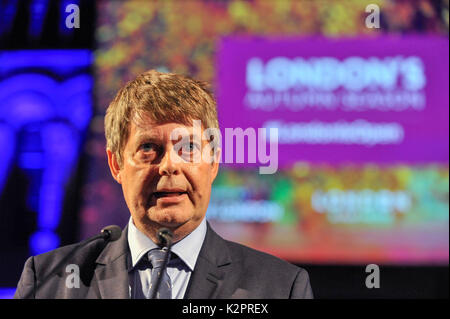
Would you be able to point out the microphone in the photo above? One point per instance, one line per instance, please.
(111, 233)
(108, 234)
(165, 237)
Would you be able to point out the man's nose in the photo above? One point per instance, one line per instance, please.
(169, 164)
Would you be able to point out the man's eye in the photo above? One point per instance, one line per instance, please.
(148, 147)
(191, 147)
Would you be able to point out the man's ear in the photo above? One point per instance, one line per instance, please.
(114, 166)
(215, 164)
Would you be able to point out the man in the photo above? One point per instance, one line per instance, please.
(158, 158)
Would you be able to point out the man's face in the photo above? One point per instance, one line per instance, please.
(163, 186)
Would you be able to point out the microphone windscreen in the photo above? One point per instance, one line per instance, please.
(164, 237)
(114, 232)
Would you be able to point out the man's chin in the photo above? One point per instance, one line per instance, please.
(168, 218)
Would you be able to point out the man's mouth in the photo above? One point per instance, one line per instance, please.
(167, 194)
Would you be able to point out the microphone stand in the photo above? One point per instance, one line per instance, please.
(165, 239)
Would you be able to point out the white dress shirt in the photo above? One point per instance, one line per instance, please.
(178, 269)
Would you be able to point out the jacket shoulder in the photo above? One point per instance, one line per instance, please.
(48, 268)
(79, 254)
(257, 274)
(268, 276)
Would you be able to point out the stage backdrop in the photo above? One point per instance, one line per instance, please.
(362, 118)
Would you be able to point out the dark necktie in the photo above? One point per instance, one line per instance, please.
(156, 258)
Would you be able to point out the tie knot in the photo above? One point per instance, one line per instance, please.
(156, 257)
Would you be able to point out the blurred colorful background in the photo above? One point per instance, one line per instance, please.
(333, 206)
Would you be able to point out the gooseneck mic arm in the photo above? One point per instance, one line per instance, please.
(165, 237)
(109, 233)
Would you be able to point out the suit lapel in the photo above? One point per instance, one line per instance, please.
(111, 273)
(210, 279)
(212, 266)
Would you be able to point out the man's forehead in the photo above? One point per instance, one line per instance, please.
(151, 129)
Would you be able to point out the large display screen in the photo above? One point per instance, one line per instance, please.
(363, 144)
(345, 134)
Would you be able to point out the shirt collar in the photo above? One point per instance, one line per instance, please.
(186, 249)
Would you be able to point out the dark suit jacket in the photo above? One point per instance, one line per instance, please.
(223, 270)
